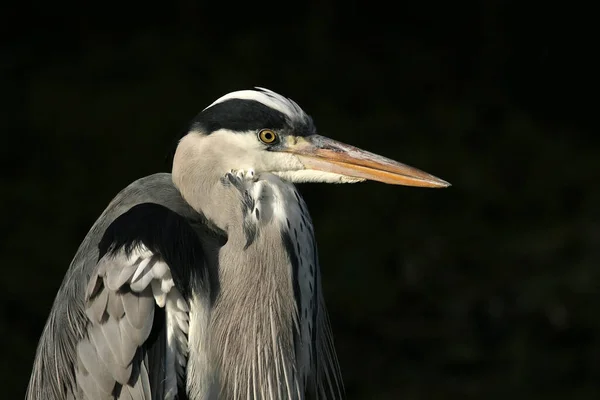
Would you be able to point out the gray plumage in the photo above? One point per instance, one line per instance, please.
(97, 328)
(205, 283)
(73, 327)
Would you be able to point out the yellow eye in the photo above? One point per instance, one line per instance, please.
(267, 136)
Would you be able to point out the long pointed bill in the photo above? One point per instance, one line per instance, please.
(324, 154)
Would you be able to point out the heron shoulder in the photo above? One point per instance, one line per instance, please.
(144, 213)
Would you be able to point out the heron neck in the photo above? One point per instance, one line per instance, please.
(255, 323)
(198, 174)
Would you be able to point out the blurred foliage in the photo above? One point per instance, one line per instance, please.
(488, 289)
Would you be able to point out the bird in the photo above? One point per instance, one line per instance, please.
(204, 283)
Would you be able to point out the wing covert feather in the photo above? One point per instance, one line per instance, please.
(121, 299)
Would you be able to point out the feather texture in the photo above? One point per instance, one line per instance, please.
(122, 296)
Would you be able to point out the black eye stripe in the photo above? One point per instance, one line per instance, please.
(240, 115)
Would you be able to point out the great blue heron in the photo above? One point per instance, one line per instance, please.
(205, 283)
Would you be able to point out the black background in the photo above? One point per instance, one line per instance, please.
(488, 289)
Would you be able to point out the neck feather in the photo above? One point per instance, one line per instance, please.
(197, 173)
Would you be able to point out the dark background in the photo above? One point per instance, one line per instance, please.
(488, 289)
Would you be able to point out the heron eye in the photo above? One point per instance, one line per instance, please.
(267, 136)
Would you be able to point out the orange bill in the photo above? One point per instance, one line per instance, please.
(323, 154)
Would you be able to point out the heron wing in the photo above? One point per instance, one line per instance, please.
(136, 302)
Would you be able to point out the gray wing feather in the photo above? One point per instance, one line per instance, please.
(111, 335)
(92, 370)
(130, 344)
(100, 343)
(120, 303)
(96, 309)
(115, 307)
(115, 277)
(58, 372)
(139, 310)
(140, 389)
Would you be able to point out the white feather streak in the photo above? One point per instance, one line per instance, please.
(311, 175)
(268, 98)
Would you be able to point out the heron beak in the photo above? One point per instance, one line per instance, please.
(323, 154)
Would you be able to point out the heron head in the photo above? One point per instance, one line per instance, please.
(264, 131)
